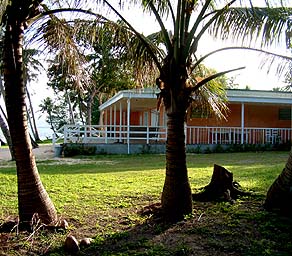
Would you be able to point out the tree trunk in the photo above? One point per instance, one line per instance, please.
(6, 133)
(32, 197)
(221, 187)
(4, 128)
(279, 196)
(32, 122)
(176, 196)
(71, 113)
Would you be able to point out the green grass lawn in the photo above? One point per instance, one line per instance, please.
(101, 197)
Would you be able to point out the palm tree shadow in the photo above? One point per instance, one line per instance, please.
(137, 240)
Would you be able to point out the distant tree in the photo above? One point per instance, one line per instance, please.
(231, 84)
(56, 111)
(108, 68)
(32, 68)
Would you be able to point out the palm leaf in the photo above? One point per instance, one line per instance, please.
(248, 24)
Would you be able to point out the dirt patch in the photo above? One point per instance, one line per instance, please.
(42, 152)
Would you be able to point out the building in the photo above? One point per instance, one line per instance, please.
(130, 117)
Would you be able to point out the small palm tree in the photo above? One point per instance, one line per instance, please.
(177, 83)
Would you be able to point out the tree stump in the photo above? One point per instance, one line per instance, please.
(221, 187)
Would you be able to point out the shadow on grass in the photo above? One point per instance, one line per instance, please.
(244, 228)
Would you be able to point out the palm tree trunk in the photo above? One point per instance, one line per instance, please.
(32, 120)
(32, 197)
(7, 136)
(176, 196)
(71, 113)
(279, 196)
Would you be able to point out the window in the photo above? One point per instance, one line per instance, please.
(285, 114)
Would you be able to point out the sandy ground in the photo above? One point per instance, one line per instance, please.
(42, 152)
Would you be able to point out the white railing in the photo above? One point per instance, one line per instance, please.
(194, 134)
(237, 135)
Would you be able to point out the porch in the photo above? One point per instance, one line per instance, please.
(195, 135)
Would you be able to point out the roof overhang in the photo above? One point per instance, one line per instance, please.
(143, 99)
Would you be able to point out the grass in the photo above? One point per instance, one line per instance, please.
(102, 197)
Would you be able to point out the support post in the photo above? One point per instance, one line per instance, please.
(105, 127)
(128, 123)
(121, 122)
(115, 122)
(242, 123)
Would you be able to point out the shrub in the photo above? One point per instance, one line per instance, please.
(80, 149)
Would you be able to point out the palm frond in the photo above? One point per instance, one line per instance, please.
(211, 99)
(269, 60)
(161, 24)
(139, 35)
(60, 38)
(249, 24)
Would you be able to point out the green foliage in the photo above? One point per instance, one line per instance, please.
(78, 150)
(56, 112)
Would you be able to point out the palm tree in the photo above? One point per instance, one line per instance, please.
(279, 196)
(15, 16)
(32, 197)
(177, 83)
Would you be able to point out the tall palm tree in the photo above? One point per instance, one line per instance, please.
(279, 196)
(177, 83)
(32, 197)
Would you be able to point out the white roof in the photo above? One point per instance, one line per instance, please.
(146, 98)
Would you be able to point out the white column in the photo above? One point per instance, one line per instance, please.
(242, 123)
(115, 121)
(111, 121)
(128, 123)
(121, 121)
(106, 125)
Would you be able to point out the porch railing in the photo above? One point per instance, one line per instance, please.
(194, 134)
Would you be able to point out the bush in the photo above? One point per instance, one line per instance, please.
(74, 150)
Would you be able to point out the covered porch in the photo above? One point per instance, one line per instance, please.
(130, 117)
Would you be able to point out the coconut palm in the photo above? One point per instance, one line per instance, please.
(32, 197)
(279, 194)
(177, 83)
(16, 16)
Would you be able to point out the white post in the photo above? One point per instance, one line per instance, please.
(242, 123)
(121, 121)
(115, 121)
(147, 134)
(111, 121)
(185, 131)
(105, 127)
(128, 123)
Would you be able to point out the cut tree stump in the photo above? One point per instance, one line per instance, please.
(221, 187)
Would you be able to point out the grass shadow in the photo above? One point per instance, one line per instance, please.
(244, 228)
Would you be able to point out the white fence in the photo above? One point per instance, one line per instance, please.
(194, 134)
